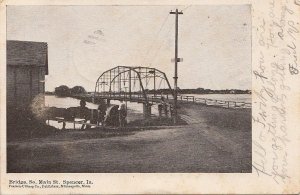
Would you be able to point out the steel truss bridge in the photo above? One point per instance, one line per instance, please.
(147, 85)
(135, 84)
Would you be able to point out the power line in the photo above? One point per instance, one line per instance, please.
(158, 49)
(147, 53)
(186, 7)
(155, 56)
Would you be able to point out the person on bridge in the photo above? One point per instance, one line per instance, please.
(122, 114)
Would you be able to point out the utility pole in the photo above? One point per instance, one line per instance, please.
(176, 60)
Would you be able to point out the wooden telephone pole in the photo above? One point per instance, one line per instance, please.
(176, 60)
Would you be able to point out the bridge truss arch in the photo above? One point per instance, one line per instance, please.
(128, 83)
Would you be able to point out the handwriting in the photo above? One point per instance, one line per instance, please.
(293, 65)
(262, 68)
(277, 61)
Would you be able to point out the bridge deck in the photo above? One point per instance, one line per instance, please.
(156, 99)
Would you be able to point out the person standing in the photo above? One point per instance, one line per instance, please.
(101, 112)
(122, 114)
(164, 105)
(83, 112)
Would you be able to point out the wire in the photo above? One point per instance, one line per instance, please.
(155, 56)
(186, 7)
(156, 53)
(164, 22)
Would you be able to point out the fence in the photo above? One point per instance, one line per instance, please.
(206, 101)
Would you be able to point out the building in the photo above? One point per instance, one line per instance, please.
(27, 65)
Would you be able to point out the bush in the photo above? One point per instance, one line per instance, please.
(62, 90)
(77, 90)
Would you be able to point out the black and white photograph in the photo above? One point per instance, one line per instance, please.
(129, 89)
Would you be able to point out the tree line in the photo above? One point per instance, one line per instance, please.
(201, 91)
(65, 91)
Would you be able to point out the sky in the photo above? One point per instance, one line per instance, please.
(84, 41)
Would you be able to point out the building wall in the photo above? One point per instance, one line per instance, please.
(24, 83)
(27, 65)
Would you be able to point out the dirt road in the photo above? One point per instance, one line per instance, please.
(215, 140)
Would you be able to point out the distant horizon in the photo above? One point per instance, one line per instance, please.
(172, 88)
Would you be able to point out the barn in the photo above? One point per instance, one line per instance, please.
(27, 65)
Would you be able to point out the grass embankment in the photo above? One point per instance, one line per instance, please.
(22, 125)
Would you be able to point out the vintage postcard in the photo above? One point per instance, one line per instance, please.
(135, 97)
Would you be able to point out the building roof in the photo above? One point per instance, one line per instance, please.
(27, 53)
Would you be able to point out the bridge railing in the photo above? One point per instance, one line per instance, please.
(155, 98)
(214, 102)
(206, 101)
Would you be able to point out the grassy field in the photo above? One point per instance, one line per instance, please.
(214, 140)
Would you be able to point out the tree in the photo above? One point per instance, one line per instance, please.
(62, 90)
(77, 90)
